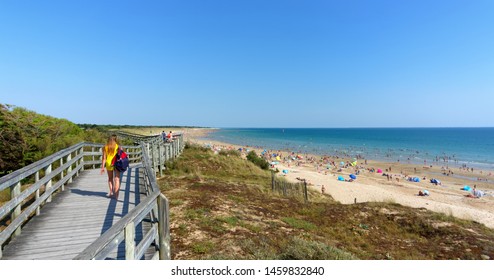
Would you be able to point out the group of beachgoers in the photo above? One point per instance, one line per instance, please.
(327, 163)
(167, 137)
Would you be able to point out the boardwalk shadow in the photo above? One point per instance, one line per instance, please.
(87, 193)
(129, 184)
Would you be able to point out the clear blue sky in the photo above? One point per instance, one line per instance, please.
(251, 63)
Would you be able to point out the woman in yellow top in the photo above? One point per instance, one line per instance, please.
(109, 151)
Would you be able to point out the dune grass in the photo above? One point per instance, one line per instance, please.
(223, 208)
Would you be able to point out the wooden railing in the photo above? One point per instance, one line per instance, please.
(155, 206)
(51, 174)
(34, 185)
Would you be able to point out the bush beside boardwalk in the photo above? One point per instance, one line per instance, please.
(222, 207)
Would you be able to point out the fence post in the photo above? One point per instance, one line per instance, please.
(69, 158)
(129, 241)
(81, 161)
(163, 229)
(101, 156)
(306, 195)
(92, 151)
(15, 191)
(272, 180)
(161, 161)
(48, 185)
(36, 179)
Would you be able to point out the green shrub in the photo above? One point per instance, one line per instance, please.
(301, 249)
(254, 158)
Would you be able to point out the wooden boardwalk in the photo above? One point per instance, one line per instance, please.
(77, 217)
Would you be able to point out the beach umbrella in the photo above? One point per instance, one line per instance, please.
(340, 178)
(352, 176)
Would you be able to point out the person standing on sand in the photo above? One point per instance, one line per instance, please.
(109, 152)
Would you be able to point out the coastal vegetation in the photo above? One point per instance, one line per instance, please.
(259, 161)
(26, 136)
(222, 207)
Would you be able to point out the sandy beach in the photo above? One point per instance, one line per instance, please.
(447, 198)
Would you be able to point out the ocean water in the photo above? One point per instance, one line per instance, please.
(473, 147)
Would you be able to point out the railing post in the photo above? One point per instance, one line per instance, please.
(81, 161)
(100, 150)
(61, 173)
(15, 191)
(161, 161)
(92, 151)
(130, 251)
(69, 158)
(163, 229)
(48, 184)
(167, 156)
(36, 179)
(153, 158)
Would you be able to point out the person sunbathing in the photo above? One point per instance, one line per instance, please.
(476, 193)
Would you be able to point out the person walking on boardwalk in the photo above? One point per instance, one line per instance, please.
(109, 151)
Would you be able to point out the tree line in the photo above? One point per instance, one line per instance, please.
(26, 136)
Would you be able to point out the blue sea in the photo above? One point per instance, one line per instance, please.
(473, 147)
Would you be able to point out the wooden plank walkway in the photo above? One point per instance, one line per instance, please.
(76, 218)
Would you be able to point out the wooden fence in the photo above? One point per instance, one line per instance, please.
(289, 189)
(33, 186)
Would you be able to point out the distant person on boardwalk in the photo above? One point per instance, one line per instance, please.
(169, 137)
(109, 151)
(163, 136)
